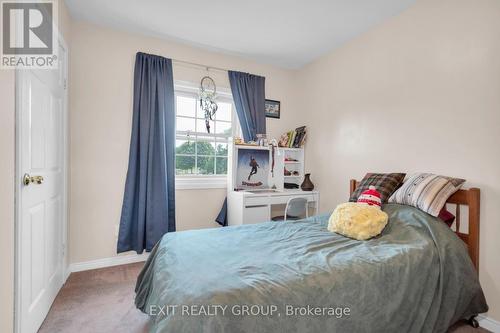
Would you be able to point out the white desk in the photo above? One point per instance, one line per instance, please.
(247, 207)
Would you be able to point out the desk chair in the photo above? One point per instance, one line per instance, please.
(295, 208)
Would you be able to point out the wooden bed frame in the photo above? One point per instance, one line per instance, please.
(467, 197)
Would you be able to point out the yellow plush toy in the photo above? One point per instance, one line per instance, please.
(359, 220)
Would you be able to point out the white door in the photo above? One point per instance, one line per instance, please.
(41, 142)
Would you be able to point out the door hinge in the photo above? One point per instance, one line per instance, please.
(65, 84)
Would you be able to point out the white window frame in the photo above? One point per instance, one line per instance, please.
(190, 182)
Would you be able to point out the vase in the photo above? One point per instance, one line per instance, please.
(307, 185)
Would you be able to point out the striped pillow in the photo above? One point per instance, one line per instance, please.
(426, 191)
(384, 183)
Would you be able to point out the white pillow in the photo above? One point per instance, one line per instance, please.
(426, 191)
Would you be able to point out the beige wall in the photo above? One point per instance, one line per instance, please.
(421, 92)
(101, 85)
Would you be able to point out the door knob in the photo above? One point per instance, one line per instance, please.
(27, 179)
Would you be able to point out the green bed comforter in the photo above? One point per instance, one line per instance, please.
(298, 277)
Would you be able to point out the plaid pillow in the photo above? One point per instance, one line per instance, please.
(385, 183)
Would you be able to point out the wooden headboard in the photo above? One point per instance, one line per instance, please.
(470, 198)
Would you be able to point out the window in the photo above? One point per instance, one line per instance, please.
(201, 159)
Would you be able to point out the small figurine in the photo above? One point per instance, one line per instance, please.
(254, 165)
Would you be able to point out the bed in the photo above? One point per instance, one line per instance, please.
(417, 276)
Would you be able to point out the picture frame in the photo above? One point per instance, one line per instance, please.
(252, 168)
(273, 108)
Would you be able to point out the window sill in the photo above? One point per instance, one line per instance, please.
(200, 182)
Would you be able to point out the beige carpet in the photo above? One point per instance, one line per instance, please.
(99, 301)
(102, 301)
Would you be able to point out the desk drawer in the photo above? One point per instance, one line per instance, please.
(256, 214)
(283, 199)
(256, 201)
(277, 199)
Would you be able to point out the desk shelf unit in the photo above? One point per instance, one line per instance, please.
(291, 159)
(254, 206)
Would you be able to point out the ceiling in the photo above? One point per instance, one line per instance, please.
(285, 33)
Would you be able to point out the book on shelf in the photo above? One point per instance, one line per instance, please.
(300, 131)
(293, 139)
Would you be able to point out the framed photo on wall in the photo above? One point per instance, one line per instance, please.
(273, 108)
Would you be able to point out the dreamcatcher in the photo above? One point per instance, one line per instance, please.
(207, 99)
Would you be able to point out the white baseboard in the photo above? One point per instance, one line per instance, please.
(489, 324)
(66, 274)
(107, 262)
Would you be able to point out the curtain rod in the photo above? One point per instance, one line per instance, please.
(199, 65)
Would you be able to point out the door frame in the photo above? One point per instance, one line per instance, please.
(19, 73)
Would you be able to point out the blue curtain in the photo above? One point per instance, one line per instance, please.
(249, 95)
(148, 210)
